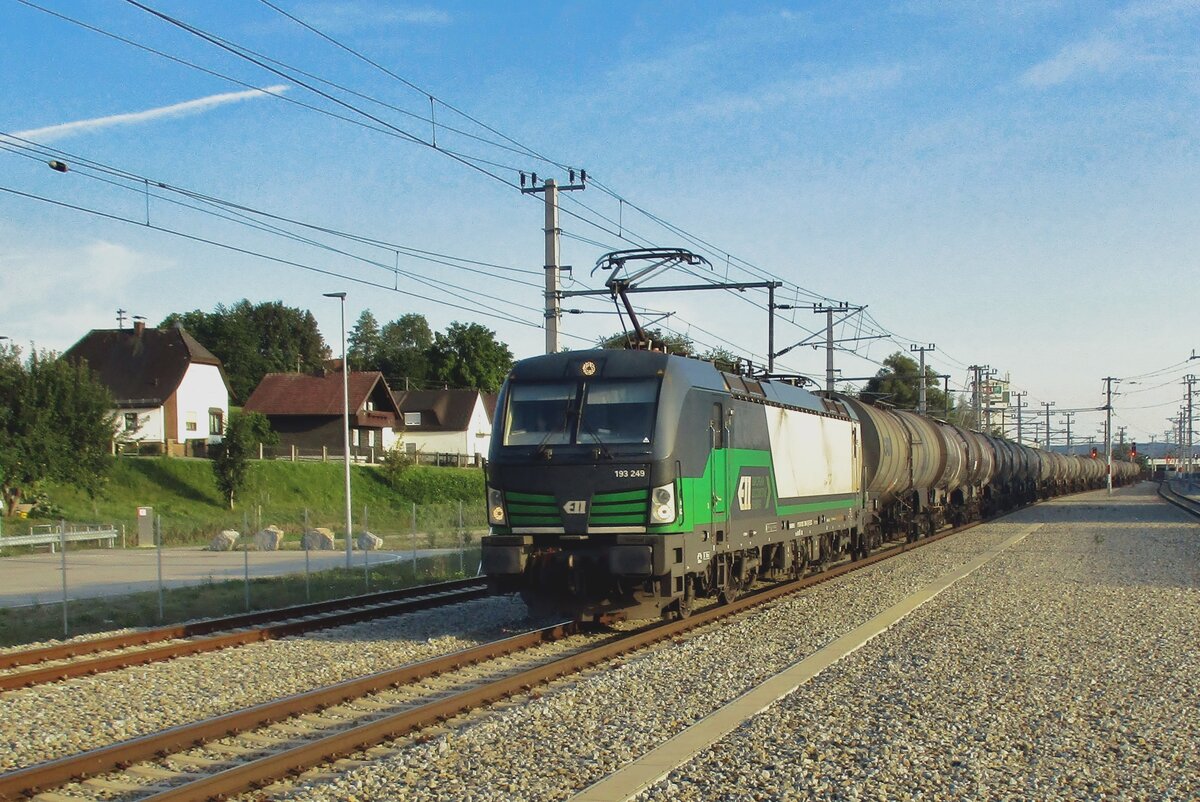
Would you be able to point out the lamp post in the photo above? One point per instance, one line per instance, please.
(341, 296)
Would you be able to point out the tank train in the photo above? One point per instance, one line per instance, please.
(635, 482)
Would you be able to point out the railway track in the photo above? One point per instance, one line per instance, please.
(84, 658)
(1188, 505)
(252, 748)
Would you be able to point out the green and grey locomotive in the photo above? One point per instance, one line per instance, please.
(637, 481)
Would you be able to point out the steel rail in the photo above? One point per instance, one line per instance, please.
(29, 781)
(257, 773)
(292, 621)
(1169, 494)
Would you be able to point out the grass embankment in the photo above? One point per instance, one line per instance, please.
(216, 599)
(184, 493)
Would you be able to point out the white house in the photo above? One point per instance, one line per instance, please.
(447, 421)
(168, 389)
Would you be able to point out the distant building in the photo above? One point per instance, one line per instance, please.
(170, 392)
(447, 421)
(305, 410)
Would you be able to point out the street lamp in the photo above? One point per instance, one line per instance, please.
(341, 296)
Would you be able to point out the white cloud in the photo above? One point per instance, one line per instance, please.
(846, 84)
(62, 130)
(53, 296)
(1097, 54)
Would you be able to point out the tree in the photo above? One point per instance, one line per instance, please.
(252, 340)
(673, 343)
(469, 355)
(898, 383)
(56, 422)
(231, 462)
(722, 359)
(365, 342)
(404, 348)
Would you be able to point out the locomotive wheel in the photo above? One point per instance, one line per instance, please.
(686, 603)
(730, 593)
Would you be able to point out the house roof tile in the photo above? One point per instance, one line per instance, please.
(141, 366)
(441, 410)
(307, 394)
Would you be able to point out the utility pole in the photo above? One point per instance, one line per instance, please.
(552, 265)
(946, 392)
(828, 311)
(1070, 416)
(1019, 394)
(1047, 405)
(1108, 383)
(921, 380)
(1189, 379)
(120, 319)
(978, 370)
(987, 407)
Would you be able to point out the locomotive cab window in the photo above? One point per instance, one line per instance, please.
(613, 412)
(619, 412)
(539, 414)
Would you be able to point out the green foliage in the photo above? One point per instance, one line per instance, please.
(231, 461)
(722, 359)
(469, 355)
(56, 423)
(252, 340)
(404, 347)
(898, 384)
(427, 485)
(395, 462)
(673, 343)
(193, 509)
(363, 346)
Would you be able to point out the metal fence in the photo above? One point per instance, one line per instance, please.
(56, 536)
(366, 455)
(426, 543)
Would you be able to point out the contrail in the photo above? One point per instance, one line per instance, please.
(196, 106)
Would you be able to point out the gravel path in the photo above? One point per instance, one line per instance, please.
(44, 722)
(570, 734)
(1063, 669)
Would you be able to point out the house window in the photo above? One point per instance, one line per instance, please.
(411, 448)
(371, 438)
(412, 418)
(370, 406)
(216, 422)
(131, 421)
(190, 425)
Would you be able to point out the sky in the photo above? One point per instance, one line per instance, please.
(1014, 183)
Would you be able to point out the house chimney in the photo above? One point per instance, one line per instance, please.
(139, 326)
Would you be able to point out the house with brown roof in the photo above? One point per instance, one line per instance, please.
(170, 391)
(305, 410)
(447, 421)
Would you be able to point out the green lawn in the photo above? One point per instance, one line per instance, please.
(184, 493)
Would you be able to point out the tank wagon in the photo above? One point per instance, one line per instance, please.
(637, 481)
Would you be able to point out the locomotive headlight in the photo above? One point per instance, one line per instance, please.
(496, 507)
(662, 504)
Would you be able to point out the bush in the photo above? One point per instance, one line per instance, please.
(427, 485)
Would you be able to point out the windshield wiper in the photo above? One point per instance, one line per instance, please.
(543, 450)
(602, 447)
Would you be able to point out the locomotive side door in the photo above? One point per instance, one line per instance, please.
(719, 469)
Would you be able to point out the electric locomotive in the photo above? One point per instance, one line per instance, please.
(638, 481)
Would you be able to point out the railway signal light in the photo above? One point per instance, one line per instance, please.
(1093, 452)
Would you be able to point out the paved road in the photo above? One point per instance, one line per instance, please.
(37, 578)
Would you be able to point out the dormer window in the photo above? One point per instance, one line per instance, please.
(412, 418)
